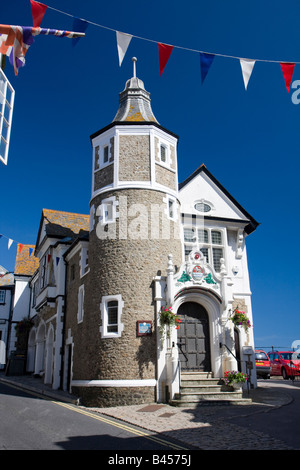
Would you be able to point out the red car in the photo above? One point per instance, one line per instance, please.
(263, 364)
(284, 363)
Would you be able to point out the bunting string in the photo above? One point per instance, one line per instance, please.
(20, 245)
(171, 45)
(165, 50)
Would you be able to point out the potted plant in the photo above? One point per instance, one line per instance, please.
(235, 378)
(168, 318)
(239, 318)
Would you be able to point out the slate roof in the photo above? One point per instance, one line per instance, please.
(26, 263)
(60, 224)
(6, 278)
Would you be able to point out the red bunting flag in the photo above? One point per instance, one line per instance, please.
(287, 70)
(164, 52)
(38, 10)
(20, 246)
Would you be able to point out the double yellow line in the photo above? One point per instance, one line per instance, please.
(134, 431)
(103, 419)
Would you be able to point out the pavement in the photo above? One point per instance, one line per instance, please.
(205, 427)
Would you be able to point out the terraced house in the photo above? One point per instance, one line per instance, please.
(147, 243)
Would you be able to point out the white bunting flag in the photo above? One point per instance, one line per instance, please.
(123, 41)
(10, 241)
(247, 67)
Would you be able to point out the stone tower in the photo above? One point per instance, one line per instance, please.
(134, 225)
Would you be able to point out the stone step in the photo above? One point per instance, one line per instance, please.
(210, 402)
(192, 388)
(198, 381)
(201, 388)
(215, 395)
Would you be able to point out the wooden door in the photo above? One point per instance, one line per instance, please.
(193, 337)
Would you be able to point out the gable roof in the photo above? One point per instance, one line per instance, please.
(60, 224)
(251, 222)
(26, 263)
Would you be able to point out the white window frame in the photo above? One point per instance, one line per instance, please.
(80, 312)
(170, 200)
(104, 316)
(84, 261)
(7, 96)
(197, 244)
(167, 151)
(107, 205)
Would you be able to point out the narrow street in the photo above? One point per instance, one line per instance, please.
(32, 423)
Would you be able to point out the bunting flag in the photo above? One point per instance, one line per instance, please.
(247, 68)
(78, 25)
(10, 241)
(287, 70)
(38, 11)
(57, 260)
(30, 251)
(164, 51)
(205, 63)
(123, 41)
(16, 40)
(20, 248)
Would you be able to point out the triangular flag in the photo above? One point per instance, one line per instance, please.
(205, 63)
(80, 26)
(287, 70)
(123, 41)
(57, 260)
(38, 11)
(30, 251)
(49, 258)
(164, 52)
(9, 242)
(247, 67)
(20, 248)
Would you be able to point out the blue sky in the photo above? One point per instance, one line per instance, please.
(249, 140)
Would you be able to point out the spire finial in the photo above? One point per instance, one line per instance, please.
(134, 59)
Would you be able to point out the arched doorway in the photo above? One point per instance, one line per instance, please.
(193, 338)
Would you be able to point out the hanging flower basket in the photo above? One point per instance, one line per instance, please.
(168, 318)
(234, 378)
(239, 318)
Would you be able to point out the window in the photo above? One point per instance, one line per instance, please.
(84, 260)
(163, 153)
(202, 207)
(2, 296)
(107, 211)
(102, 156)
(111, 312)
(105, 154)
(208, 241)
(7, 94)
(80, 304)
(112, 316)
